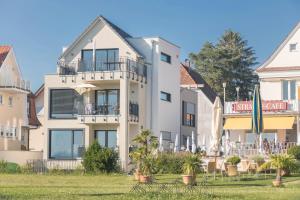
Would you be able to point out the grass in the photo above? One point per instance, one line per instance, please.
(22, 186)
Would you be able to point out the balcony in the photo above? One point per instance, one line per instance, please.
(269, 106)
(17, 85)
(104, 70)
(91, 114)
(8, 132)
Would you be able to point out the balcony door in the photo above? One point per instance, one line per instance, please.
(106, 138)
(107, 102)
(107, 59)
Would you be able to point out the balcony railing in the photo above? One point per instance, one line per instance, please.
(8, 132)
(123, 64)
(282, 106)
(91, 109)
(15, 84)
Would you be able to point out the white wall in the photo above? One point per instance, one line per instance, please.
(271, 90)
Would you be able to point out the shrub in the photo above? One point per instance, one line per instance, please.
(100, 159)
(234, 160)
(169, 163)
(295, 151)
(8, 167)
(27, 168)
(258, 159)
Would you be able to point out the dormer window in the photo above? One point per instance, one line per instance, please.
(293, 47)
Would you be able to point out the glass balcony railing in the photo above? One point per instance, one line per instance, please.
(18, 84)
(123, 64)
(91, 109)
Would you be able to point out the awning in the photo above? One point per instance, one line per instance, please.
(270, 123)
(238, 123)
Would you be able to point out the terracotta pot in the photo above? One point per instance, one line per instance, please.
(232, 170)
(188, 179)
(137, 175)
(145, 179)
(277, 183)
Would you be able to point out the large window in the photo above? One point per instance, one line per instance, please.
(105, 59)
(66, 144)
(165, 96)
(165, 57)
(166, 139)
(288, 90)
(107, 102)
(188, 114)
(107, 138)
(63, 103)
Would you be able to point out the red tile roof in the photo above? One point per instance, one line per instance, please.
(4, 50)
(189, 76)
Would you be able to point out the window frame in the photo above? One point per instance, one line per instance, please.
(72, 141)
(107, 99)
(293, 47)
(51, 109)
(106, 137)
(168, 96)
(287, 91)
(186, 114)
(10, 101)
(168, 58)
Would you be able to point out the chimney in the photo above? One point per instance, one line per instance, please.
(187, 62)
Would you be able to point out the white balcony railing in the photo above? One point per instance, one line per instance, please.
(8, 132)
(280, 106)
(18, 84)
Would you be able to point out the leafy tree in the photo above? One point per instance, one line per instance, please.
(230, 60)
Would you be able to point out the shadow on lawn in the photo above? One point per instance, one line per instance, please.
(102, 194)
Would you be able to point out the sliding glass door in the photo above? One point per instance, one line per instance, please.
(107, 102)
(106, 138)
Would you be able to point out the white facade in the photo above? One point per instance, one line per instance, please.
(126, 76)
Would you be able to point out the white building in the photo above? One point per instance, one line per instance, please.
(279, 79)
(136, 86)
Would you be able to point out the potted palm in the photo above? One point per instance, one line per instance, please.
(146, 169)
(136, 157)
(143, 155)
(232, 167)
(279, 162)
(190, 167)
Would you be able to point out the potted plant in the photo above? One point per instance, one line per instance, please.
(136, 157)
(190, 167)
(259, 160)
(279, 162)
(232, 167)
(146, 169)
(143, 155)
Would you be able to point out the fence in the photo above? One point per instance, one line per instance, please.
(43, 166)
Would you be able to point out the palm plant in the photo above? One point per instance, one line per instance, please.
(191, 165)
(146, 141)
(279, 162)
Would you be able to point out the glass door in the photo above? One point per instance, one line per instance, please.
(106, 138)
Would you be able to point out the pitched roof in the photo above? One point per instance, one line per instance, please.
(4, 50)
(189, 76)
(263, 67)
(121, 33)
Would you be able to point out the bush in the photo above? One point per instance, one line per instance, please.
(8, 167)
(169, 163)
(234, 160)
(295, 151)
(258, 159)
(100, 159)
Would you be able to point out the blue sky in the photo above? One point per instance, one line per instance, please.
(37, 29)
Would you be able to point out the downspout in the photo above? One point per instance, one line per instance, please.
(153, 43)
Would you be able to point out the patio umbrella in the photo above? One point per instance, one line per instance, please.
(193, 142)
(188, 144)
(161, 146)
(217, 124)
(176, 148)
(257, 115)
(82, 88)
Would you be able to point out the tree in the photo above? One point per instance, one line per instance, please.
(230, 60)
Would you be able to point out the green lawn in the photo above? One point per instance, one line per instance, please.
(17, 186)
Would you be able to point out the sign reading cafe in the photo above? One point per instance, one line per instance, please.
(246, 106)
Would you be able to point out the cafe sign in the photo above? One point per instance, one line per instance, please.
(268, 106)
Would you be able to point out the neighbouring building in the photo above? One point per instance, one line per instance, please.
(197, 99)
(108, 87)
(279, 78)
(14, 104)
